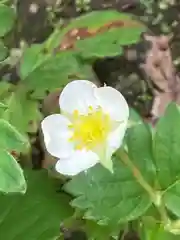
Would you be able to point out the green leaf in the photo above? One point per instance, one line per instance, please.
(3, 106)
(171, 198)
(151, 230)
(37, 214)
(98, 47)
(53, 73)
(109, 43)
(11, 175)
(107, 197)
(99, 33)
(3, 51)
(31, 59)
(7, 16)
(5, 92)
(167, 156)
(167, 147)
(138, 136)
(100, 232)
(10, 138)
(174, 227)
(23, 112)
(5, 88)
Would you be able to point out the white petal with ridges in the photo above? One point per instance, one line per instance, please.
(112, 102)
(56, 135)
(105, 154)
(77, 95)
(78, 162)
(115, 138)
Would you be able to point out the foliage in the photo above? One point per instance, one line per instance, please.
(7, 16)
(38, 213)
(12, 179)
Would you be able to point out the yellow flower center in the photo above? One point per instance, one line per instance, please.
(90, 130)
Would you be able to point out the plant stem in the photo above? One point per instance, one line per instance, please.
(137, 174)
(163, 214)
(154, 197)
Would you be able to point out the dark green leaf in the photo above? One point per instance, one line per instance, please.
(11, 175)
(7, 16)
(37, 214)
(167, 147)
(107, 197)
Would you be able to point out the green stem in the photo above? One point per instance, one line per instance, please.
(164, 217)
(137, 174)
(140, 179)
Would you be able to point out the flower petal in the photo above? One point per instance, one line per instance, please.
(77, 95)
(112, 102)
(115, 138)
(114, 141)
(78, 162)
(105, 154)
(56, 135)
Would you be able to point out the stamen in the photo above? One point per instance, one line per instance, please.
(90, 108)
(90, 130)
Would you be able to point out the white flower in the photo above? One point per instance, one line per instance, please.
(89, 129)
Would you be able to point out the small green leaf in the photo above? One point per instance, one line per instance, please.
(11, 175)
(167, 147)
(37, 214)
(10, 138)
(107, 197)
(7, 16)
